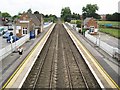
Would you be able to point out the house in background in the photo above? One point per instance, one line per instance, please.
(28, 23)
(103, 17)
(91, 25)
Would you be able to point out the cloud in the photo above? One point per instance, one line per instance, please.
(55, 6)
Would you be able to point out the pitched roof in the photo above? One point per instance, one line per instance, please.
(34, 19)
(86, 20)
(39, 16)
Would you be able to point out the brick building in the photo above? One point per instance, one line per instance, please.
(29, 23)
(91, 25)
(103, 17)
(88, 22)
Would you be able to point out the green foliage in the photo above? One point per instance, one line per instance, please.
(73, 21)
(66, 14)
(19, 13)
(112, 32)
(50, 17)
(46, 20)
(75, 16)
(29, 10)
(90, 11)
(36, 12)
(78, 22)
(15, 17)
(113, 17)
(6, 15)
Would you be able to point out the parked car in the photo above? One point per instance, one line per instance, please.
(15, 38)
(7, 34)
(2, 31)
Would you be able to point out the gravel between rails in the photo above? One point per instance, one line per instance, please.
(60, 65)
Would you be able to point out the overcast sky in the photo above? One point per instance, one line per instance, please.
(54, 6)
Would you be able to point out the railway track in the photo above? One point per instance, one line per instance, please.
(60, 65)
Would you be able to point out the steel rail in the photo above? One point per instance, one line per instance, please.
(80, 71)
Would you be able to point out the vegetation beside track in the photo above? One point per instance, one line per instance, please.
(110, 31)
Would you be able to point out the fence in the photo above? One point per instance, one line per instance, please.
(48, 24)
(104, 46)
(10, 48)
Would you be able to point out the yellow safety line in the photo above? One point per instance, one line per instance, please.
(25, 61)
(93, 58)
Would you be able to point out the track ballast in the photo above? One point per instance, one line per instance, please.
(60, 65)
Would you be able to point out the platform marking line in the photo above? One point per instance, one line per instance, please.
(86, 61)
(20, 68)
(100, 68)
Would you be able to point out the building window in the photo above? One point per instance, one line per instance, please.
(24, 30)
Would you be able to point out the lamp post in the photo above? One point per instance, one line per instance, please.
(99, 39)
(15, 36)
(99, 35)
(11, 40)
(1, 47)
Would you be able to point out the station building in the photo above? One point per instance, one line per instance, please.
(29, 23)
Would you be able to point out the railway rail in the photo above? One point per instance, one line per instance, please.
(60, 65)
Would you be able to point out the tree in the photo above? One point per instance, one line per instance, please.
(78, 22)
(116, 16)
(36, 12)
(15, 17)
(29, 10)
(108, 17)
(50, 17)
(75, 16)
(66, 14)
(6, 15)
(46, 16)
(90, 11)
(113, 17)
(19, 14)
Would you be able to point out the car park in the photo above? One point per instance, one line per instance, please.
(2, 31)
(7, 34)
(14, 38)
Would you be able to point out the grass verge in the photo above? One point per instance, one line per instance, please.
(112, 32)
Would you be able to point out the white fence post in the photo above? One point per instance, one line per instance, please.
(106, 47)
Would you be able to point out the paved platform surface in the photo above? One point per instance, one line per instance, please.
(10, 63)
(111, 66)
(112, 41)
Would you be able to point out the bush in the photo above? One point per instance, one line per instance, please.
(80, 31)
(78, 23)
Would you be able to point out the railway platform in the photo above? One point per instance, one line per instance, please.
(12, 61)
